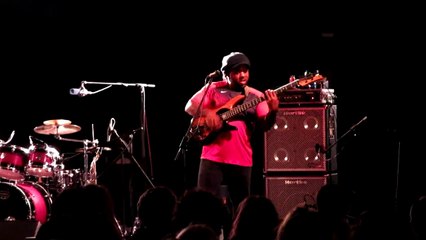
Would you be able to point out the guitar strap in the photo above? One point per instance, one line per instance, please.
(249, 124)
(246, 90)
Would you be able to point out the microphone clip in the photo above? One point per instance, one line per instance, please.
(110, 129)
(319, 148)
(214, 75)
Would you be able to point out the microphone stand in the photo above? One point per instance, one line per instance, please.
(142, 87)
(183, 145)
(127, 149)
(143, 128)
(142, 119)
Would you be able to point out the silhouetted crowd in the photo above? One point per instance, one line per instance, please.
(87, 212)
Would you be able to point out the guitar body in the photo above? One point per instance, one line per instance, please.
(201, 132)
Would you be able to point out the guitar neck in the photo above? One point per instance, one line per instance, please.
(287, 86)
(240, 108)
(252, 103)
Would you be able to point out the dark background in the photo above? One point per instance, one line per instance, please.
(371, 61)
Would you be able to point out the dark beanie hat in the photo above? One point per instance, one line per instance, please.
(233, 60)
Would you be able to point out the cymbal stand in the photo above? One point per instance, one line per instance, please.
(12, 134)
(86, 144)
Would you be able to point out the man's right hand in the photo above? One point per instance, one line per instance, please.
(213, 120)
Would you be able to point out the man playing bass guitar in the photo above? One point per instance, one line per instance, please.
(225, 128)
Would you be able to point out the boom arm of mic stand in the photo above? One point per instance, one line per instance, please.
(121, 84)
(121, 140)
(352, 128)
(127, 149)
(182, 144)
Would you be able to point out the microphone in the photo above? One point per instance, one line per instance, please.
(81, 92)
(110, 129)
(214, 75)
(32, 138)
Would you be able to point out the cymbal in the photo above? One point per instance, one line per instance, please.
(93, 149)
(57, 129)
(57, 122)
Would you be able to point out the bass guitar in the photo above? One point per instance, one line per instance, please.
(199, 130)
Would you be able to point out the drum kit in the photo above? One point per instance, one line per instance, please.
(31, 177)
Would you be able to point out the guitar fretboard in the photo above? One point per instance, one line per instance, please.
(243, 107)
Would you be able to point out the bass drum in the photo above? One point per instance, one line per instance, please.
(24, 201)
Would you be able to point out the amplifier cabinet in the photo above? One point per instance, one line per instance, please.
(295, 141)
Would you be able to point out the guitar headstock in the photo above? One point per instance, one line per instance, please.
(310, 78)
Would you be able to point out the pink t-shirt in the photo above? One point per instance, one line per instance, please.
(232, 146)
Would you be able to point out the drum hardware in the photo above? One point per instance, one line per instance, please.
(70, 177)
(66, 178)
(12, 134)
(93, 149)
(92, 172)
(87, 144)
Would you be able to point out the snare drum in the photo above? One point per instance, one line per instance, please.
(42, 160)
(13, 160)
(24, 201)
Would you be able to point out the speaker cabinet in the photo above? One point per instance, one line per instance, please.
(289, 192)
(294, 142)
